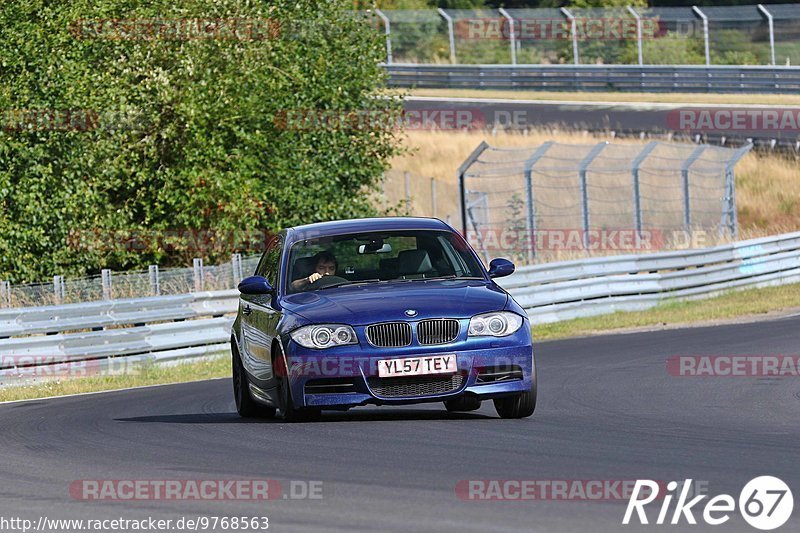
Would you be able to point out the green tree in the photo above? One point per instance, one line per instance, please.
(183, 133)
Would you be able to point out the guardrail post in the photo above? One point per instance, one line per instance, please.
(771, 32)
(236, 267)
(5, 294)
(638, 31)
(685, 166)
(155, 282)
(407, 182)
(574, 32)
(705, 32)
(197, 265)
(388, 31)
(58, 289)
(462, 189)
(105, 280)
(637, 199)
(451, 34)
(512, 35)
(585, 190)
(531, 211)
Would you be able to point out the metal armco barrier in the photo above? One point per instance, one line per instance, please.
(168, 328)
(648, 78)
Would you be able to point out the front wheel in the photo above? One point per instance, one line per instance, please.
(246, 406)
(520, 405)
(288, 410)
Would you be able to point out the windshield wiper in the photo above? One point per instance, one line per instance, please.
(339, 284)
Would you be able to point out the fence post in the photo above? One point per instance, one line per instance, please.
(531, 211)
(574, 31)
(705, 32)
(388, 31)
(58, 289)
(460, 173)
(236, 266)
(685, 167)
(771, 32)
(155, 282)
(5, 294)
(197, 265)
(637, 199)
(451, 34)
(512, 35)
(733, 218)
(407, 182)
(585, 190)
(105, 279)
(433, 197)
(638, 32)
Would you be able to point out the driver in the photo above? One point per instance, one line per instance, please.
(325, 265)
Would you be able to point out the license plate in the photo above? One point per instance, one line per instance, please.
(417, 366)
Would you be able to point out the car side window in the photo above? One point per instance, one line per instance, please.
(268, 266)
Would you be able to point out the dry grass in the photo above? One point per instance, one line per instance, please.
(677, 98)
(768, 184)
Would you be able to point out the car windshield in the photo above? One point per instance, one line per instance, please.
(376, 257)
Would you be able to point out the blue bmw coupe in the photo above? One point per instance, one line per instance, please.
(383, 311)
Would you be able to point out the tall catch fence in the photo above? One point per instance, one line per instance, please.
(755, 34)
(557, 200)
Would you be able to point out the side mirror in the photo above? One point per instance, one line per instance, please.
(255, 285)
(500, 267)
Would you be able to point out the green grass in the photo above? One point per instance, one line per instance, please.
(679, 98)
(143, 375)
(750, 303)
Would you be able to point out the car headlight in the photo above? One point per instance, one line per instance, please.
(497, 324)
(324, 336)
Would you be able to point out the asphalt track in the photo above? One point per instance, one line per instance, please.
(623, 118)
(608, 410)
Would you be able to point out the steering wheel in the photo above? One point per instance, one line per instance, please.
(324, 281)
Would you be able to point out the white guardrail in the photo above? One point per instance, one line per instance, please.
(168, 328)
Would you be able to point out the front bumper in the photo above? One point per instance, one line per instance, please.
(347, 376)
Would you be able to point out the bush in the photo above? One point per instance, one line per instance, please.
(155, 134)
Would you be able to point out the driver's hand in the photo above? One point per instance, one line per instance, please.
(314, 277)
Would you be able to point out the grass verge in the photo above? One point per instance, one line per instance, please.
(670, 98)
(740, 305)
(148, 374)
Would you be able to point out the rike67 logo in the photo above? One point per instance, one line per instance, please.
(765, 503)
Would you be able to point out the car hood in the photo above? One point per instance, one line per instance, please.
(382, 302)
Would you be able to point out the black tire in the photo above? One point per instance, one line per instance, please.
(288, 410)
(246, 406)
(520, 405)
(463, 403)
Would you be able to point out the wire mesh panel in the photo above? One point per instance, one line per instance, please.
(418, 36)
(480, 36)
(671, 36)
(738, 35)
(542, 36)
(558, 200)
(786, 21)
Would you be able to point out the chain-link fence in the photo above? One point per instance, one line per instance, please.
(408, 194)
(131, 284)
(558, 200)
(719, 35)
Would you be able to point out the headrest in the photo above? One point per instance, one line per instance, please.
(413, 262)
(303, 267)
